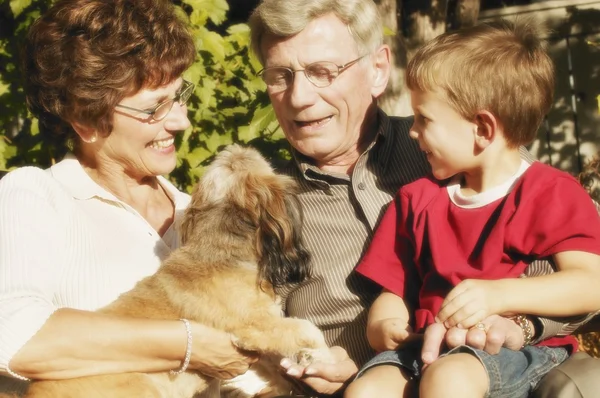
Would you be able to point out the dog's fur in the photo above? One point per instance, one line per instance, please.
(241, 237)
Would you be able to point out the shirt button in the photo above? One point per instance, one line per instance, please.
(361, 186)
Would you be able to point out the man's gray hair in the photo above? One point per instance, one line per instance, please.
(285, 18)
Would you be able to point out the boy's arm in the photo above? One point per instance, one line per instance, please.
(578, 277)
(387, 326)
(572, 290)
(547, 327)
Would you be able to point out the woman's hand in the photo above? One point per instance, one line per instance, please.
(324, 378)
(214, 355)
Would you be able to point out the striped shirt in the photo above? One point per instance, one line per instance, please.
(340, 216)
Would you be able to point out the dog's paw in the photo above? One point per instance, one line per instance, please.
(308, 335)
(308, 356)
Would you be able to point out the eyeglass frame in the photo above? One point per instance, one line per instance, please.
(341, 68)
(188, 90)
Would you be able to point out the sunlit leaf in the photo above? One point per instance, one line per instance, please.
(213, 43)
(17, 6)
(4, 88)
(262, 120)
(215, 9)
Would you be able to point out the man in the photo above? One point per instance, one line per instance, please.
(325, 67)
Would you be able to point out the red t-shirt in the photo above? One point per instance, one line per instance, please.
(425, 244)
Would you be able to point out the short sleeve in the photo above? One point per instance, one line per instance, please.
(554, 216)
(389, 258)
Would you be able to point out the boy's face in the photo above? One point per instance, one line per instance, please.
(443, 134)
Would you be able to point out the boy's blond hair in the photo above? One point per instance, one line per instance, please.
(499, 66)
(286, 18)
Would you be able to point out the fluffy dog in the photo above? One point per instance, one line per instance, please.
(241, 238)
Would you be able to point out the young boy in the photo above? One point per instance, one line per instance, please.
(451, 250)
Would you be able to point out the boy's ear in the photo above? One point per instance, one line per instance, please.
(486, 129)
(381, 70)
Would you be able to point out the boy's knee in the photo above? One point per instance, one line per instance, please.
(380, 382)
(462, 373)
(365, 388)
(440, 371)
(361, 388)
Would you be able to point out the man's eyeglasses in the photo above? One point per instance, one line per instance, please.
(320, 74)
(160, 111)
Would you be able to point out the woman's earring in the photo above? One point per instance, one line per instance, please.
(93, 139)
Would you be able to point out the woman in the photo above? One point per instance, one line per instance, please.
(105, 75)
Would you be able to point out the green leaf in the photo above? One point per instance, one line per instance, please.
(213, 43)
(4, 88)
(216, 140)
(239, 28)
(17, 6)
(387, 31)
(238, 110)
(197, 156)
(263, 120)
(215, 9)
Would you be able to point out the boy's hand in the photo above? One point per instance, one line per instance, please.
(470, 302)
(395, 332)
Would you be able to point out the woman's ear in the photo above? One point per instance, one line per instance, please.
(485, 129)
(87, 134)
(381, 70)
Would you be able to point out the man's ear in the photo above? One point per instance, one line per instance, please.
(486, 128)
(87, 134)
(381, 70)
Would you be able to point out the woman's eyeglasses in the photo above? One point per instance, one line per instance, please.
(160, 111)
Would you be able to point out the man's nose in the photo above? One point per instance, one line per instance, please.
(302, 92)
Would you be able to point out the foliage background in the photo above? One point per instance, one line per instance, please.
(229, 103)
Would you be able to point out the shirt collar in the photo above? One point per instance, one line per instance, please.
(70, 173)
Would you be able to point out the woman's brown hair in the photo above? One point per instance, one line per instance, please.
(83, 57)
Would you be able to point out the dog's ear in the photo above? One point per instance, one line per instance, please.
(282, 256)
(191, 215)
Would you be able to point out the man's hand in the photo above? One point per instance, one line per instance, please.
(324, 378)
(499, 332)
(470, 302)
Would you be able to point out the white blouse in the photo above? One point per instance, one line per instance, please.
(67, 242)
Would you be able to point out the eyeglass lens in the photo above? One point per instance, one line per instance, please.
(184, 95)
(321, 74)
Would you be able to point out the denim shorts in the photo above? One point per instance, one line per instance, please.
(511, 374)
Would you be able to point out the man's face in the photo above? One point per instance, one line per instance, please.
(323, 123)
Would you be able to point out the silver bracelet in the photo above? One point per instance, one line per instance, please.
(188, 349)
(15, 375)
